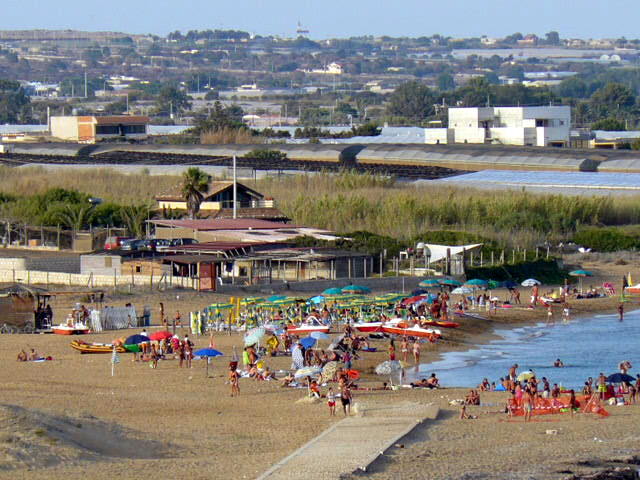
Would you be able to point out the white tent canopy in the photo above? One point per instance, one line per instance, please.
(439, 252)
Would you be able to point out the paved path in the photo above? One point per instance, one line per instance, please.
(352, 443)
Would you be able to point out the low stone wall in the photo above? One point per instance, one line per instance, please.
(38, 277)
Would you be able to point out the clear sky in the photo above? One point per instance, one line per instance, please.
(333, 18)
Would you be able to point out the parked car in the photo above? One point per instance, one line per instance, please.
(154, 244)
(113, 243)
(132, 245)
(176, 242)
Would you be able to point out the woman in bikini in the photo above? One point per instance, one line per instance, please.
(234, 380)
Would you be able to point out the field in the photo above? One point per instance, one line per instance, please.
(349, 202)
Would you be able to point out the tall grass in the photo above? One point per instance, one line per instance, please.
(351, 202)
(106, 183)
(230, 135)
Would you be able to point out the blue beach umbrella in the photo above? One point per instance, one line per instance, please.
(136, 339)
(207, 353)
(356, 289)
(319, 336)
(308, 342)
(476, 282)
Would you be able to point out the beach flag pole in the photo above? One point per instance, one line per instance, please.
(115, 358)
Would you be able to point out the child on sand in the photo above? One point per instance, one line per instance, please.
(331, 401)
(234, 380)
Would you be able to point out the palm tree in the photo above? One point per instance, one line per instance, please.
(195, 183)
(76, 216)
(134, 217)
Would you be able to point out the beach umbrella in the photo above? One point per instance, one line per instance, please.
(273, 298)
(329, 371)
(161, 335)
(450, 282)
(526, 375)
(220, 306)
(317, 299)
(419, 291)
(254, 335)
(319, 336)
(429, 282)
(284, 301)
(136, 339)
(491, 284)
(581, 274)
(307, 342)
(461, 291)
(251, 301)
(390, 297)
(356, 289)
(530, 282)
(412, 300)
(307, 372)
(207, 353)
(388, 367)
(332, 291)
(620, 378)
(476, 282)
(509, 284)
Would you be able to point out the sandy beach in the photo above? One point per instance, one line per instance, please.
(70, 417)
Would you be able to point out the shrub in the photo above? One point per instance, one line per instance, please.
(605, 239)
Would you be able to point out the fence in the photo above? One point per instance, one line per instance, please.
(90, 280)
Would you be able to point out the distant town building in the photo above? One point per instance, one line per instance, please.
(526, 126)
(89, 129)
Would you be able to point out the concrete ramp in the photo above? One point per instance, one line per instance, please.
(352, 443)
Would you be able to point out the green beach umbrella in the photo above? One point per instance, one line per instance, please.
(476, 282)
(493, 284)
(332, 291)
(356, 289)
(581, 274)
(220, 306)
(450, 282)
(429, 282)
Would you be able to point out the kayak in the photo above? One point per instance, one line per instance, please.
(434, 323)
(85, 347)
(414, 331)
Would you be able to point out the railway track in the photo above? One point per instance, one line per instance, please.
(147, 158)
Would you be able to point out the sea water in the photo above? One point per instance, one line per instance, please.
(586, 346)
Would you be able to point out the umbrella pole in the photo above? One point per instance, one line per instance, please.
(207, 360)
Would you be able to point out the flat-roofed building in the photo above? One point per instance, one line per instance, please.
(90, 129)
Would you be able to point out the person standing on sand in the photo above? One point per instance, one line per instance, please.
(163, 317)
(346, 398)
(513, 372)
(602, 385)
(621, 311)
(416, 352)
(392, 351)
(404, 349)
(527, 404)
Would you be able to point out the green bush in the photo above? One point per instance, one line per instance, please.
(606, 239)
(546, 271)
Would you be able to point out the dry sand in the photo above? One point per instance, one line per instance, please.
(171, 421)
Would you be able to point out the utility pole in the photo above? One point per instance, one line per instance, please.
(235, 190)
(86, 91)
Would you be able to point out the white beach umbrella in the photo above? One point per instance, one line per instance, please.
(461, 291)
(530, 282)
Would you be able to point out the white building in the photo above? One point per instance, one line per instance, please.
(526, 126)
